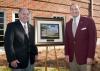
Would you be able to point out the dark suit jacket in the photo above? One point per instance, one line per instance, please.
(84, 42)
(18, 45)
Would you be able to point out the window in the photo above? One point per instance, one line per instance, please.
(16, 16)
(1, 29)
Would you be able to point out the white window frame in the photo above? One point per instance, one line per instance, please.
(13, 15)
(5, 23)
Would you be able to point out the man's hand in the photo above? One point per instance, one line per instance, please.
(89, 61)
(14, 63)
(36, 57)
(67, 58)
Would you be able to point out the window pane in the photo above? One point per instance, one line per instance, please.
(1, 38)
(1, 14)
(1, 26)
(2, 29)
(1, 32)
(16, 15)
(1, 43)
(1, 20)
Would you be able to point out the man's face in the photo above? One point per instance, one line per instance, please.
(24, 15)
(74, 10)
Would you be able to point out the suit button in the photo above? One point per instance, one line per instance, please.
(74, 42)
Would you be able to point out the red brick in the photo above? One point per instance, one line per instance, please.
(96, 7)
(96, 13)
(96, 2)
(67, 2)
(97, 20)
(98, 27)
(98, 34)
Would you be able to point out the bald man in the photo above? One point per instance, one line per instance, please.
(20, 47)
(80, 41)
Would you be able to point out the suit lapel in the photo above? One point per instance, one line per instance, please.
(78, 28)
(21, 28)
(28, 30)
(70, 29)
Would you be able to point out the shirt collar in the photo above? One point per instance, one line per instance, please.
(23, 23)
(77, 18)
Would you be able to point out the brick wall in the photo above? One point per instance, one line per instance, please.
(96, 15)
(50, 8)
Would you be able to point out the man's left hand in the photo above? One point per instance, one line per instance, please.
(36, 57)
(89, 61)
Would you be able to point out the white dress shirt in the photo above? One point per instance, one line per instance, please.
(77, 20)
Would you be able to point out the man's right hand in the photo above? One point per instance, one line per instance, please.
(67, 58)
(14, 63)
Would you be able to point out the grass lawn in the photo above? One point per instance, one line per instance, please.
(36, 69)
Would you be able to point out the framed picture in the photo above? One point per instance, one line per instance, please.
(48, 31)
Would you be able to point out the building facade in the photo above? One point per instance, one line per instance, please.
(47, 8)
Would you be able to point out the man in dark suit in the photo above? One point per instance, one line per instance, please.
(80, 41)
(20, 47)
